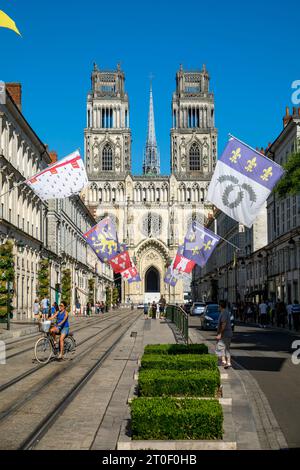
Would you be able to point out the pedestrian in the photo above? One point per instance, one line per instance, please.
(263, 314)
(157, 311)
(224, 334)
(89, 309)
(296, 315)
(132, 306)
(77, 307)
(146, 308)
(281, 314)
(36, 309)
(153, 313)
(289, 309)
(45, 307)
(53, 310)
(162, 304)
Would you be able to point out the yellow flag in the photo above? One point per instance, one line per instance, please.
(7, 22)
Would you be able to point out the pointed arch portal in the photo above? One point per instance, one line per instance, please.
(152, 280)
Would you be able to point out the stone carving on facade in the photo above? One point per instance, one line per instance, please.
(205, 152)
(118, 154)
(96, 157)
(183, 153)
(152, 257)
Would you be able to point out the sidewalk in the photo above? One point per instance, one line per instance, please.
(255, 425)
(17, 329)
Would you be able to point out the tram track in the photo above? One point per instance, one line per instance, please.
(50, 419)
(33, 370)
(22, 351)
(14, 422)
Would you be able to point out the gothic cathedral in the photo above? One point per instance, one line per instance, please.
(152, 211)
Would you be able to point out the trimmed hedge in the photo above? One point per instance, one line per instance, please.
(174, 419)
(155, 383)
(176, 349)
(179, 362)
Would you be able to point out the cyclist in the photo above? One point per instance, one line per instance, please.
(62, 326)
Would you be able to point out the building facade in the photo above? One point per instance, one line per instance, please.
(152, 211)
(40, 229)
(282, 255)
(267, 266)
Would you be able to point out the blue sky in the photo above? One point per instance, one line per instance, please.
(251, 51)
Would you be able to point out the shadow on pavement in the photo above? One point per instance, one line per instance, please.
(267, 364)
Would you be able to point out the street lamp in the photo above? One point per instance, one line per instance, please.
(20, 246)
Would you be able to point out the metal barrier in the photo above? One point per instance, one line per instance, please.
(177, 315)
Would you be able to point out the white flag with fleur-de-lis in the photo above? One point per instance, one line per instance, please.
(242, 181)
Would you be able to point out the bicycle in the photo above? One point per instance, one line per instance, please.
(45, 347)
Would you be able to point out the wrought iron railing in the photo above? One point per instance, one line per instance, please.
(177, 315)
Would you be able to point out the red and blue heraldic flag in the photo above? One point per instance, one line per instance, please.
(131, 275)
(199, 244)
(121, 262)
(103, 239)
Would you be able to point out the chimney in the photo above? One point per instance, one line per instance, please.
(53, 156)
(15, 91)
(287, 117)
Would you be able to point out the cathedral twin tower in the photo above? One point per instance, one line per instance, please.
(108, 133)
(151, 211)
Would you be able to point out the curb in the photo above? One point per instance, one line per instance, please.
(19, 333)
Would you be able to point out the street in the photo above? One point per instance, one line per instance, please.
(267, 355)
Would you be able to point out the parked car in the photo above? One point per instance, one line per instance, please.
(197, 308)
(210, 318)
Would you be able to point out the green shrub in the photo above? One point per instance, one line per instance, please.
(176, 349)
(174, 419)
(156, 383)
(179, 362)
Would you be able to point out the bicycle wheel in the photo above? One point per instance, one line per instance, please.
(43, 350)
(69, 345)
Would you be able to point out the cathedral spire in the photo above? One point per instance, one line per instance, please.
(151, 159)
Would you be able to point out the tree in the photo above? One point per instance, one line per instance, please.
(108, 298)
(7, 276)
(66, 288)
(290, 182)
(43, 290)
(92, 291)
(115, 296)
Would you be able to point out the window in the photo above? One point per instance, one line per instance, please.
(294, 211)
(107, 158)
(288, 214)
(194, 158)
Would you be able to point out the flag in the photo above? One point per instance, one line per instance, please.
(181, 263)
(170, 277)
(131, 275)
(199, 244)
(103, 239)
(121, 262)
(242, 181)
(7, 22)
(60, 180)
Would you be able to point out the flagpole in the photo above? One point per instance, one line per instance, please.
(11, 189)
(254, 150)
(232, 244)
(199, 228)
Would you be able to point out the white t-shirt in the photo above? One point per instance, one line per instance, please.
(263, 309)
(45, 303)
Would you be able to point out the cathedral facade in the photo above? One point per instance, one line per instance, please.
(152, 212)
